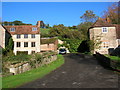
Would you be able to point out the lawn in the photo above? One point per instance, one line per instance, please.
(20, 79)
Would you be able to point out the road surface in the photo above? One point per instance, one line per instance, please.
(79, 71)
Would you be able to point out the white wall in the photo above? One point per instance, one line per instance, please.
(2, 37)
(29, 40)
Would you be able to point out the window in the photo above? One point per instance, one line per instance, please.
(33, 36)
(104, 29)
(12, 29)
(18, 44)
(32, 44)
(18, 36)
(25, 44)
(105, 44)
(34, 29)
(25, 35)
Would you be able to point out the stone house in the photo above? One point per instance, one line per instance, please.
(26, 38)
(105, 35)
(4, 37)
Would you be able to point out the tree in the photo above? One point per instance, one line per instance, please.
(16, 22)
(83, 28)
(89, 16)
(6, 23)
(113, 13)
(10, 45)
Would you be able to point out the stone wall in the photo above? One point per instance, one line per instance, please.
(26, 66)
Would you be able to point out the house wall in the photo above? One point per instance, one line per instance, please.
(2, 37)
(118, 40)
(109, 37)
(48, 47)
(29, 40)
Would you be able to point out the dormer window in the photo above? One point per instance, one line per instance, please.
(34, 29)
(104, 29)
(12, 29)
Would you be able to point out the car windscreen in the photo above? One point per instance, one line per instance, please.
(62, 50)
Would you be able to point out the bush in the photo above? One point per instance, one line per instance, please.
(22, 52)
(18, 58)
(72, 44)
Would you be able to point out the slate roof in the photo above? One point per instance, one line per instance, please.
(23, 29)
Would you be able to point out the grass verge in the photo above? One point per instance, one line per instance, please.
(20, 79)
(113, 57)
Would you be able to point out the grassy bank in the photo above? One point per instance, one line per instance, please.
(17, 80)
(113, 57)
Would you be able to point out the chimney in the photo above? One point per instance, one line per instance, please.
(38, 23)
(108, 20)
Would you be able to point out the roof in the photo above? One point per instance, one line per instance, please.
(102, 23)
(23, 29)
(48, 40)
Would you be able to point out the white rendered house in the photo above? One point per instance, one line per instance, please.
(26, 38)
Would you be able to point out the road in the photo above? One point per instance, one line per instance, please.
(79, 71)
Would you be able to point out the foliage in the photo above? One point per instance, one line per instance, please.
(16, 22)
(91, 45)
(83, 47)
(113, 13)
(113, 57)
(3, 51)
(8, 49)
(64, 32)
(45, 32)
(89, 16)
(72, 44)
(20, 79)
(10, 44)
(18, 58)
(94, 43)
(73, 27)
(48, 41)
(83, 29)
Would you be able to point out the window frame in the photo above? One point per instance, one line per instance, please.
(32, 35)
(105, 44)
(34, 28)
(18, 44)
(25, 35)
(25, 44)
(12, 29)
(18, 36)
(33, 44)
(103, 30)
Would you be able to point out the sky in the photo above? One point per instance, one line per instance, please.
(53, 13)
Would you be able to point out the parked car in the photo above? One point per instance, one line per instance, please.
(62, 51)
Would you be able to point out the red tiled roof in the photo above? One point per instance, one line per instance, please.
(23, 29)
(101, 23)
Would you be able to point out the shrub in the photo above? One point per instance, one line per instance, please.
(72, 44)
(22, 52)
